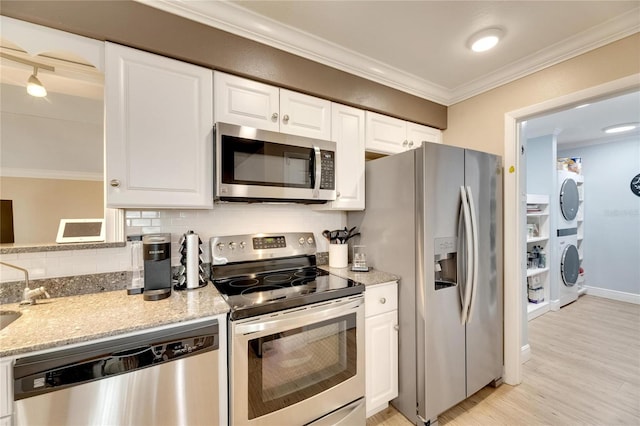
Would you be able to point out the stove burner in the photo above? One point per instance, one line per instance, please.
(307, 274)
(260, 292)
(277, 278)
(302, 281)
(243, 282)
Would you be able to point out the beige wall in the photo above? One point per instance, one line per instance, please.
(478, 123)
(39, 204)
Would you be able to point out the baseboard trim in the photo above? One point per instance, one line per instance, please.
(554, 305)
(613, 294)
(525, 353)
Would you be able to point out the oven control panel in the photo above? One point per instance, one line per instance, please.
(242, 248)
(260, 243)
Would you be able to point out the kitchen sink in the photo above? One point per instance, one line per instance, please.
(7, 317)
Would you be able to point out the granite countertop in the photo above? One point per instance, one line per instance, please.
(66, 320)
(372, 277)
(56, 322)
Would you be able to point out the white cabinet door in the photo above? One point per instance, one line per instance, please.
(388, 135)
(385, 135)
(381, 344)
(417, 134)
(159, 131)
(347, 131)
(246, 102)
(304, 115)
(382, 360)
(6, 387)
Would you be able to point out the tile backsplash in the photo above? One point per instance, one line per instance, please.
(224, 219)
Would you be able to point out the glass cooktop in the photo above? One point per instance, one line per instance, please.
(257, 294)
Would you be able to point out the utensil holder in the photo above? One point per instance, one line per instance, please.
(338, 255)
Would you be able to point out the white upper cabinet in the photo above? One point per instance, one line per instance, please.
(417, 134)
(389, 135)
(347, 131)
(305, 115)
(246, 102)
(249, 103)
(385, 134)
(159, 131)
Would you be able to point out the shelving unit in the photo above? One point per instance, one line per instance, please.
(580, 219)
(537, 236)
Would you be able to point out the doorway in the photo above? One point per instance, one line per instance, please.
(515, 208)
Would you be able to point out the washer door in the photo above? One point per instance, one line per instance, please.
(569, 199)
(570, 265)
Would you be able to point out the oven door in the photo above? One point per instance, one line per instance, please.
(258, 164)
(295, 366)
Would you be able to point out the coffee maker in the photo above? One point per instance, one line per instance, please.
(157, 266)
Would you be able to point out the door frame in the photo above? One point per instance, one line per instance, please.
(514, 166)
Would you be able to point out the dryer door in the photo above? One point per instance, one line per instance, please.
(570, 265)
(569, 199)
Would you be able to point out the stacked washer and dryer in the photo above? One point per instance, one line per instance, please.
(567, 237)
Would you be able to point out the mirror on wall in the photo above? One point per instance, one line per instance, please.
(51, 162)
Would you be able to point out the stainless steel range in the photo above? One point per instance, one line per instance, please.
(296, 352)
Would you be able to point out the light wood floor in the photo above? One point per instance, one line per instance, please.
(584, 370)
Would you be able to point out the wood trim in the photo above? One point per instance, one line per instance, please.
(143, 27)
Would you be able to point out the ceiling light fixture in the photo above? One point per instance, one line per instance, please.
(34, 85)
(485, 39)
(620, 128)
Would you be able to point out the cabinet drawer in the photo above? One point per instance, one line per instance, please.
(380, 298)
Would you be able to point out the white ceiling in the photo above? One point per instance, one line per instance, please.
(415, 46)
(421, 46)
(582, 125)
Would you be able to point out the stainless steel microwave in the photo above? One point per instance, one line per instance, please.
(259, 165)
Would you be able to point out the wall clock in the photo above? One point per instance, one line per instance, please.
(635, 185)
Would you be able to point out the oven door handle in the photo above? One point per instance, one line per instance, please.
(299, 318)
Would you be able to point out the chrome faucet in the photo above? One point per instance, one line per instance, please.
(28, 295)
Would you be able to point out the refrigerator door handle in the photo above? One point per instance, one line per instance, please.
(468, 244)
(474, 238)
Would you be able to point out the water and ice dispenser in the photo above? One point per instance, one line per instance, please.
(445, 262)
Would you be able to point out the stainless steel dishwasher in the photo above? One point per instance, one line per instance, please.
(163, 377)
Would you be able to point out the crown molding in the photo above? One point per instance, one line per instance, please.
(228, 17)
(234, 19)
(615, 29)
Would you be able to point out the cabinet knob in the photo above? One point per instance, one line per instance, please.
(405, 143)
(285, 118)
(338, 194)
(410, 144)
(396, 327)
(274, 116)
(114, 183)
(383, 300)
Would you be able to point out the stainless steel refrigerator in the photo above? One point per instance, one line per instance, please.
(433, 216)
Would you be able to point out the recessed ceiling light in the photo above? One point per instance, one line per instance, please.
(485, 39)
(620, 128)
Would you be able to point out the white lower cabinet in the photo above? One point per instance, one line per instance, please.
(159, 131)
(381, 345)
(6, 391)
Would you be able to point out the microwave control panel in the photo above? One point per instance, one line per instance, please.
(327, 180)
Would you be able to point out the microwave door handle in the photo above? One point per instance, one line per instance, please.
(317, 165)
